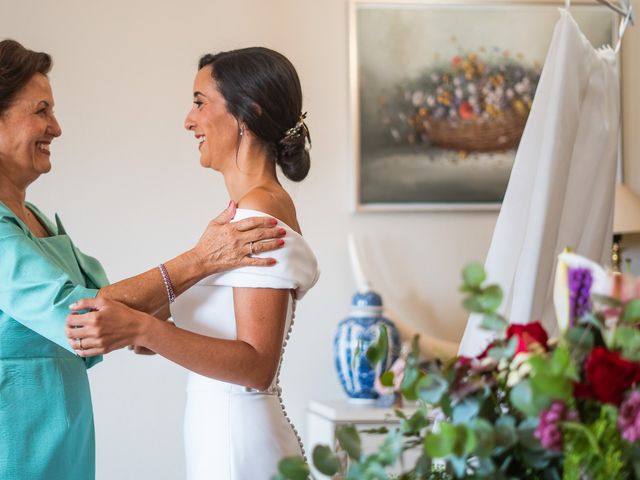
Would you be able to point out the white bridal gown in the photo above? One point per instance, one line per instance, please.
(561, 189)
(232, 432)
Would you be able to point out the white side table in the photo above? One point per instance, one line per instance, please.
(323, 418)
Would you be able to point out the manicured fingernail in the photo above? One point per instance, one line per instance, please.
(73, 305)
(274, 221)
(282, 231)
(272, 261)
(280, 242)
(230, 203)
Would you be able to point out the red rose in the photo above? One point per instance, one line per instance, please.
(608, 376)
(528, 334)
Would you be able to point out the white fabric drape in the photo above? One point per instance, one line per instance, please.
(562, 184)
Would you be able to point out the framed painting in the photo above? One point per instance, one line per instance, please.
(440, 95)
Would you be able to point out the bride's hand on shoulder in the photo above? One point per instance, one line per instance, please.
(225, 245)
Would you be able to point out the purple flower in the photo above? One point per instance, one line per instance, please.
(580, 280)
(629, 417)
(548, 431)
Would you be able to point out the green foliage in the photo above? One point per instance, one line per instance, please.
(473, 276)
(292, 468)
(490, 407)
(377, 352)
(349, 440)
(595, 450)
(325, 460)
(631, 311)
(627, 339)
(431, 388)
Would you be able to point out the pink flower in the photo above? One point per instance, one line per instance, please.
(398, 374)
(629, 417)
(548, 431)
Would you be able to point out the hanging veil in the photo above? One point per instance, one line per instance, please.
(561, 189)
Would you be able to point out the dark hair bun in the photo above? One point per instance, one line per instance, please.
(261, 89)
(293, 157)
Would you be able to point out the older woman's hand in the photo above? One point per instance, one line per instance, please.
(226, 245)
(105, 326)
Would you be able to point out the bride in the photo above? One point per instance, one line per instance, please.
(231, 329)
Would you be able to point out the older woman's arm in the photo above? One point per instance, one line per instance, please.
(250, 360)
(223, 246)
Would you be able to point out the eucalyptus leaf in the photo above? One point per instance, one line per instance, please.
(473, 275)
(526, 433)
(349, 440)
(442, 443)
(391, 448)
(387, 378)
(580, 338)
(628, 339)
(523, 399)
(491, 298)
(377, 352)
(504, 351)
(466, 441)
(631, 310)
(473, 305)
(459, 466)
(431, 388)
(417, 422)
(374, 471)
(505, 434)
(325, 460)
(293, 468)
(494, 322)
(484, 433)
(538, 459)
(465, 410)
(592, 319)
(408, 386)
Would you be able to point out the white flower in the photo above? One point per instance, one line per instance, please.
(417, 98)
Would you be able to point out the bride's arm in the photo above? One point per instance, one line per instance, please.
(251, 360)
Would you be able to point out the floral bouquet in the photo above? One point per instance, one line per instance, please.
(473, 103)
(527, 406)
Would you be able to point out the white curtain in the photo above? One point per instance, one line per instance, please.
(561, 189)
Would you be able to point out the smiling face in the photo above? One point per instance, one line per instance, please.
(27, 129)
(215, 129)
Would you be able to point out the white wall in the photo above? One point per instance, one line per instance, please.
(128, 185)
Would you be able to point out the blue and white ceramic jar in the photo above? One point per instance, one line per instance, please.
(354, 335)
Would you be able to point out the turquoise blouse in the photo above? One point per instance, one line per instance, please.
(46, 417)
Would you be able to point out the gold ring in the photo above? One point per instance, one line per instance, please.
(80, 340)
(250, 248)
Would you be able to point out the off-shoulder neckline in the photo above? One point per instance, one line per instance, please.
(265, 214)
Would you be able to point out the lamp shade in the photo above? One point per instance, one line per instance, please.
(626, 216)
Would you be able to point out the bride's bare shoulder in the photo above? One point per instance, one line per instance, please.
(275, 202)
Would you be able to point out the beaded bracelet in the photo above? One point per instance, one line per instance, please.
(167, 283)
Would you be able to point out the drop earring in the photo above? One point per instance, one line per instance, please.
(241, 131)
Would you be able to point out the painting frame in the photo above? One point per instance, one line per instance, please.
(355, 6)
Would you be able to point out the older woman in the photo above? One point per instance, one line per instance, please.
(46, 420)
